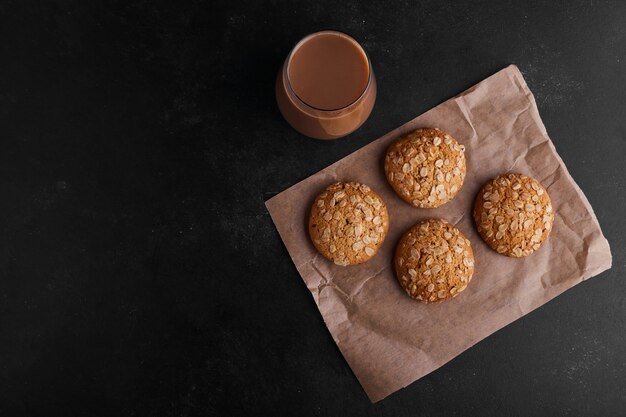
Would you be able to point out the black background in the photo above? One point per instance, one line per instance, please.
(140, 273)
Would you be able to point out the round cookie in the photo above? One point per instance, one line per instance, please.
(513, 214)
(348, 223)
(426, 167)
(434, 261)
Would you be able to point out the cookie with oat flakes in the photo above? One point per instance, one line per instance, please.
(426, 167)
(513, 214)
(434, 261)
(348, 223)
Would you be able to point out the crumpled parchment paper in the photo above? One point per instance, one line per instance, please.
(391, 340)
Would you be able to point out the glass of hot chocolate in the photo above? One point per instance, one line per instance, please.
(326, 88)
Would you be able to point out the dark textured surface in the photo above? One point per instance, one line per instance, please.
(140, 273)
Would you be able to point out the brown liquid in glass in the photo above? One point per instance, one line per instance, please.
(326, 88)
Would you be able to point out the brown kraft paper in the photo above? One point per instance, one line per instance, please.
(391, 340)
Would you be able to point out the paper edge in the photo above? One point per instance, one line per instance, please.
(603, 265)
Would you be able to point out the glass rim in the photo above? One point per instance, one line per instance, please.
(336, 32)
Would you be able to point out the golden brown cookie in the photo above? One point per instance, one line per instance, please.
(426, 167)
(434, 261)
(348, 223)
(513, 214)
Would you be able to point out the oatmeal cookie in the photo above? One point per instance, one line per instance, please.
(426, 167)
(513, 214)
(434, 261)
(348, 223)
